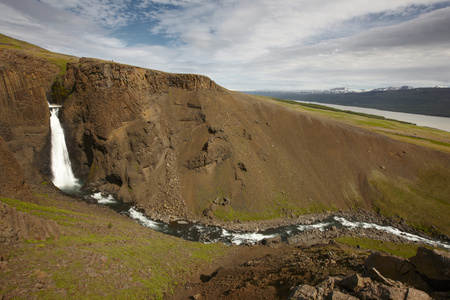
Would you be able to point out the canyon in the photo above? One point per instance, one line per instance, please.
(177, 144)
(182, 148)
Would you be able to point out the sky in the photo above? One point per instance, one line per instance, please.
(251, 44)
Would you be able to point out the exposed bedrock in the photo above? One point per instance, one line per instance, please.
(12, 180)
(174, 143)
(16, 226)
(428, 270)
(25, 89)
(179, 144)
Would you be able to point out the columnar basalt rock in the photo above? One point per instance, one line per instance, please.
(127, 126)
(12, 180)
(16, 226)
(25, 89)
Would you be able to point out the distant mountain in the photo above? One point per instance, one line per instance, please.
(336, 90)
(426, 101)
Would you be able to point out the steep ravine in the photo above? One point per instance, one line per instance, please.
(181, 146)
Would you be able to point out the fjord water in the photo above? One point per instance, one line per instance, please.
(441, 123)
(64, 179)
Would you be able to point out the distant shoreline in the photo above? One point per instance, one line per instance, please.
(421, 101)
(441, 123)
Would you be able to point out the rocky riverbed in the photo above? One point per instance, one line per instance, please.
(315, 228)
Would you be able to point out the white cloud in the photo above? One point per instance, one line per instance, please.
(245, 44)
(109, 13)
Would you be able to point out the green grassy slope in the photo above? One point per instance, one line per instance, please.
(101, 255)
(60, 60)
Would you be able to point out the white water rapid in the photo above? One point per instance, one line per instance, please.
(61, 168)
(212, 234)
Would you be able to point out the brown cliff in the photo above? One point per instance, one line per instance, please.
(25, 89)
(180, 145)
(12, 181)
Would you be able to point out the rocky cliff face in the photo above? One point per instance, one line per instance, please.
(12, 181)
(25, 89)
(182, 146)
(16, 226)
(128, 125)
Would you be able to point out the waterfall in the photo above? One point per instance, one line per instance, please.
(61, 168)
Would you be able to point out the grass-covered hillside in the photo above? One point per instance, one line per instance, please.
(423, 202)
(99, 254)
(57, 59)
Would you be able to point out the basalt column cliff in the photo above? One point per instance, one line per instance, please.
(181, 146)
(25, 89)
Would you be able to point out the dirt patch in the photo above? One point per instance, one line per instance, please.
(321, 271)
(269, 273)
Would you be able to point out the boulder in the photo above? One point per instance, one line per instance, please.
(434, 267)
(413, 294)
(336, 295)
(352, 283)
(381, 291)
(303, 292)
(396, 268)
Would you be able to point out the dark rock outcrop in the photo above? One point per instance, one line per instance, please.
(356, 287)
(16, 226)
(353, 283)
(303, 292)
(25, 89)
(433, 267)
(428, 270)
(396, 268)
(272, 242)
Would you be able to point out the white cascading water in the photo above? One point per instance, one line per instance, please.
(61, 168)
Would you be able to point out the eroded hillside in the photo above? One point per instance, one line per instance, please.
(180, 146)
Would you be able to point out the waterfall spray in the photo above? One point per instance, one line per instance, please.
(61, 167)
